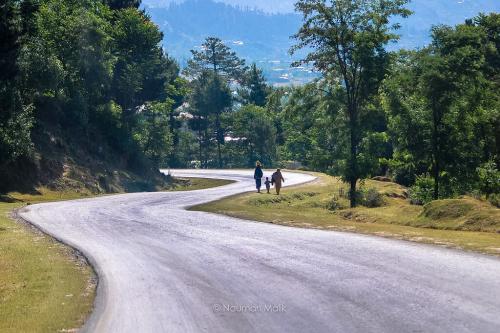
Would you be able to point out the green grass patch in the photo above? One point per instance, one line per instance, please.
(285, 198)
(44, 286)
(464, 223)
(460, 214)
(192, 184)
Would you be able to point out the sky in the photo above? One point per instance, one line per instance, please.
(287, 6)
(270, 6)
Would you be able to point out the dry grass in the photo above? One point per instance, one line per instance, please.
(44, 286)
(192, 184)
(321, 205)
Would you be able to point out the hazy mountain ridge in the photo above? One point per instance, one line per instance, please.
(260, 30)
(253, 34)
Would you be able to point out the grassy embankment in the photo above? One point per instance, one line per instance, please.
(192, 184)
(464, 223)
(44, 286)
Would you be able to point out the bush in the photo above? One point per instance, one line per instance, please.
(423, 190)
(274, 199)
(371, 198)
(494, 199)
(489, 178)
(335, 204)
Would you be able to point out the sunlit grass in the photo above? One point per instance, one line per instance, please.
(44, 287)
(191, 184)
(309, 206)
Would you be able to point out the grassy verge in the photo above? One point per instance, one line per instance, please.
(191, 184)
(463, 223)
(44, 285)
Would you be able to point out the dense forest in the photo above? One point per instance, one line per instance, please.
(86, 92)
(86, 84)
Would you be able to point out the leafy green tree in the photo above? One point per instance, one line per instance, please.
(91, 73)
(489, 178)
(185, 151)
(490, 126)
(254, 134)
(142, 69)
(178, 91)
(15, 116)
(408, 119)
(308, 128)
(442, 109)
(121, 4)
(152, 132)
(10, 34)
(77, 76)
(348, 39)
(211, 97)
(276, 101)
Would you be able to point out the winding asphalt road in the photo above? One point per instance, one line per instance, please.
(164, 269)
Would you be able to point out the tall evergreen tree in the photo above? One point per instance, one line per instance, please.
(217, 57)
(223, 65)
(254, 88)
(211, 97)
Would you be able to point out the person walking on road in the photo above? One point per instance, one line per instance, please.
(268, 185)
(258, 174)
(278, 181)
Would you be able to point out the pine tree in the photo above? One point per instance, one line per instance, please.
(217, 57)
(223, 65)
(255, 89)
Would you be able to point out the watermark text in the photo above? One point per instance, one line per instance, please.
(249, 308)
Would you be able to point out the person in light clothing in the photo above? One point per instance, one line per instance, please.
(278, 180)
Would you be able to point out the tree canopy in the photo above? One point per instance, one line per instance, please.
(348, 41)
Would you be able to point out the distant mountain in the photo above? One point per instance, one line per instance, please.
(268, 6)
(259, 30)
(254, 35)
(415, 30)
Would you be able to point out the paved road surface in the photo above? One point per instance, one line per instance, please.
(164, 269)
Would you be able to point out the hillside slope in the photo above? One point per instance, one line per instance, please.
(64, 163)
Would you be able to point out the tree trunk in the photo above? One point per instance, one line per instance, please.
(205, 147)
(435, 151)
(352, 193)
(200, 141)
(219, 154)
(436, 179)
(353, 155)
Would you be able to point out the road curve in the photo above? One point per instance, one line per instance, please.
(164, 269)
